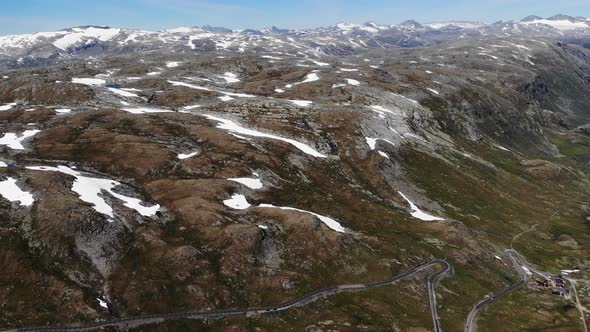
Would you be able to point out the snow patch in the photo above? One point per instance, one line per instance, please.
(237, 202)
(318, 63)
(14, 141)
(502, 148)
(10, 191)
(235, 128)
(183, 156)
(251, 183)
(85, 34)
(145, 110)
(90, 189)
(372, 142)
(225, 98)
(88, 81)
(173, 64)
(230, 77)
(311, 77)
(102, 303)
(123, 93)
(302, 103)
(331, 223)
(7, 106)
(562, 25)
(417, 213)
(383, 154)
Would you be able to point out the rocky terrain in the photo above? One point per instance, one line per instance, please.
(154, 177)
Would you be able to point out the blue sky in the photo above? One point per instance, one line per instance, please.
(21, 16)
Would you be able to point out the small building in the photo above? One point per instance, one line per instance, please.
(542, 283)
(560, 291)
(559, 282)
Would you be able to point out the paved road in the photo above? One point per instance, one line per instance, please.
(518, 263)
(297, 302)
(432, 296)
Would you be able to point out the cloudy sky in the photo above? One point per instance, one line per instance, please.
(21, 16)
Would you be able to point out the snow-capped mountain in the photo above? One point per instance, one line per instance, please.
(339, 39)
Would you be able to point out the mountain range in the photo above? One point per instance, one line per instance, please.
(337, 40)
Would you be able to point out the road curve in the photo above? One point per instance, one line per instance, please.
(514, 257)
(432, 296)
(297, 302)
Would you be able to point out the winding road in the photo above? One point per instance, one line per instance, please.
(432, 296)
(297, 302)
(517, 261)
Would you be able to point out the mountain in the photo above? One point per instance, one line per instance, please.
(340, 39)
(329, 179)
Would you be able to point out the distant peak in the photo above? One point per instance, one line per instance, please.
(561, 17)
(411, 23)
(531, 18)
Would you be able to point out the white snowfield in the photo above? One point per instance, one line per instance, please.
(89, 81)
(173, 64)
(102, 303)
(319, 63)
(15, 141)
(562, 25)
(89, 190)
(123, 93)
(145, 110)
(382, 110)
(312, 77)
(331, 223)
(464, 25)
(372, 142)
(252, 183)
(237, 202)
(191, 107)
(84, 34)
(63, 110)
(417, 213)
(302, 103)
(10, 191)
(183, 156)
(352, 81)
(383, 154)
(7, 106)
(225, 93)
(237, 129)
(433, 91)
(230, 77)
